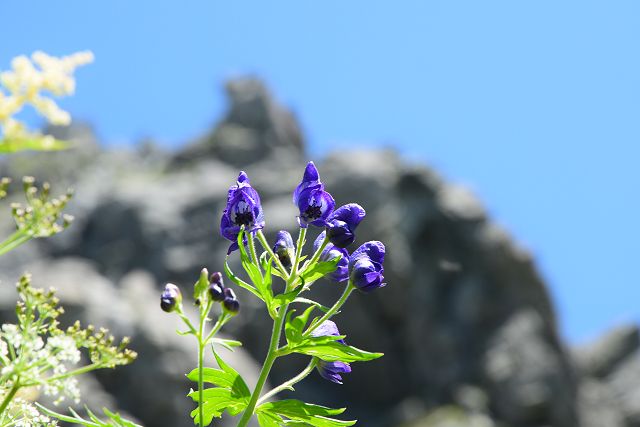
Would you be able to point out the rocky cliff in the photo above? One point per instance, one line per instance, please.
(466, 323)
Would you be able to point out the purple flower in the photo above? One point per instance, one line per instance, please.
(329, 253)
(331, 371)
(170, 298)
(314, 203)
(243, 209)
(343, 223)
(366, 267)
(283, 248)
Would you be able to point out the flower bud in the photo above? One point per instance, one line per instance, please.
(365, 265)
(216, 287)
(331, 371)
(342, 224)
(283, 248)
(230, 302)
(331, 252)
(171, 297)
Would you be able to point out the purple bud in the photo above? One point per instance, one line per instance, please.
(230, 302)
(331, 371)
(171, 297)
(315, 204)
(283, 248)
(343, 223)
(365, 265)
(216, 291)
(330, 252)
(243, 209)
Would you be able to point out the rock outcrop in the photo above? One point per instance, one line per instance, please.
(466, 323)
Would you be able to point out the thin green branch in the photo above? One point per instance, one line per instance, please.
(288, 385)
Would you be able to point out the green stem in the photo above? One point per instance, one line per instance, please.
(221, 321)
(288, 385)
(79, 371)
(204, 311)
(200, 381)
(266, 366)
(333, 310)
(294, 269)
(317, 254)
(276, 332)
(13, 241)
(10, 395)
(252, 249)
(265, 245)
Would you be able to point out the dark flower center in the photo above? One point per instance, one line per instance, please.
(244, 218)
(243, 214)
(314, 211)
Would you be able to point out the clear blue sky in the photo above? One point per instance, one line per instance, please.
(534, 104)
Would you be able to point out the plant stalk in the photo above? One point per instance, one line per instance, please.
(288, 385)
(333, 310)
(10, 395)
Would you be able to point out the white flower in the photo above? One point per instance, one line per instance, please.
(25, 83)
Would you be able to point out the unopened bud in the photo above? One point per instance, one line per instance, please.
(230, 302)
(283, 248)
(171, 297)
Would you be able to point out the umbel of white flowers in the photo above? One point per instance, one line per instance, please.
(26, 83)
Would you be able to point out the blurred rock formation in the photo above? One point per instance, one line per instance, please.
(466, 323)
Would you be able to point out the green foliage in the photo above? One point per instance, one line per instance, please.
(115, 420)
(13, 145)
(230, 394)
(298, 413)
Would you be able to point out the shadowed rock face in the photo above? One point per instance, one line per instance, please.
(466, 323)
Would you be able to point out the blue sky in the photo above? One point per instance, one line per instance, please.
(534, 104)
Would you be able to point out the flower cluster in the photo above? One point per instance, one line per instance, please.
(24, 85)
(363, 268)
(242, 222)
(36, 352)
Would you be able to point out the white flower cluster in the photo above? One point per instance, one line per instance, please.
(39, 362)
(25, 84)
(21, 413)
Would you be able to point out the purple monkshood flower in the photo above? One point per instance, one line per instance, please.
(365, 265)
(329, 253)
(243, 208)
(284, 248)
(331, 371)
(314, 203)
(343, 223)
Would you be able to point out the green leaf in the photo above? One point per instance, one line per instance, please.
(267, 419)
(301, 413)
(115, 419)
(323, 308)
(227, 343)
(284, 299)
(293, 328)
(320, 269)
(238, 281)
(35, 144)
(265, 285)
(231, 393)
(332, 351)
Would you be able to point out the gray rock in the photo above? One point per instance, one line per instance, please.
(600, 358)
